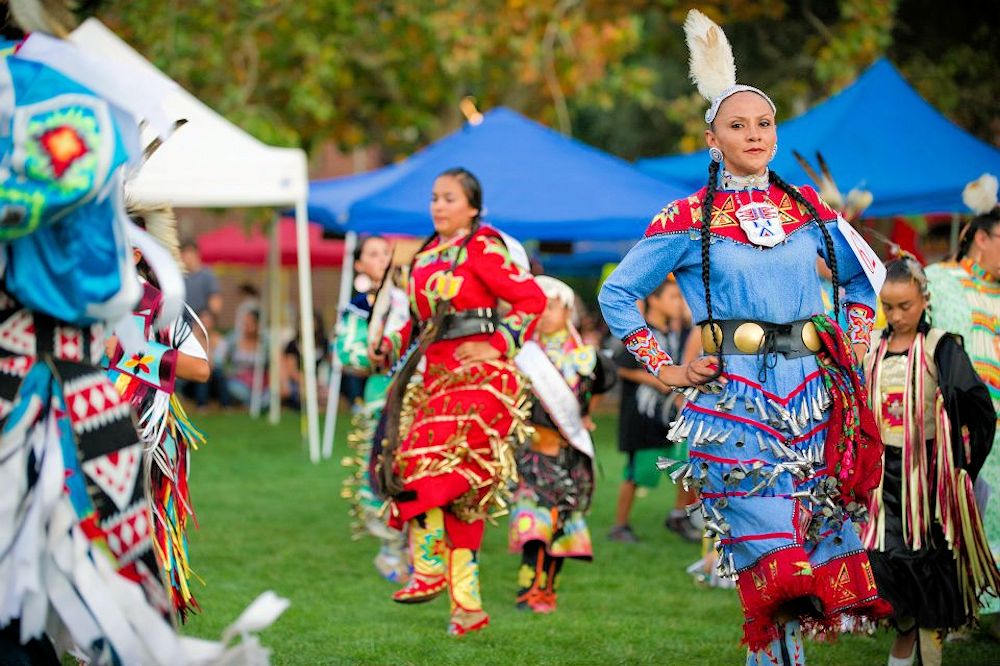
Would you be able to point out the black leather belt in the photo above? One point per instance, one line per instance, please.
(746, 336)
(468, 322)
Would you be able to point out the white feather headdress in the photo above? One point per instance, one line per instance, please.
(53, 17)
(159, 222)
(713, 68)
(981, 194)
(557, 289)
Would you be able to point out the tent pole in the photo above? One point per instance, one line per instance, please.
(274, 329)
(336, 370)
(308, 344)
(257, 385)
(260, 362)
(953, 235)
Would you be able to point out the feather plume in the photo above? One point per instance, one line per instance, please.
(713, 68)
(53, 17)
(823, 179)
(159, 222)
(981, 194)
(258, 616)
(858, 201)
(804, 163)
(827, 185)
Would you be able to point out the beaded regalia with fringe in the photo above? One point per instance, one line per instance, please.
(781, 454)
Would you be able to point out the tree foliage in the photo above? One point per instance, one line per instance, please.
(389, 73)
(612, 72)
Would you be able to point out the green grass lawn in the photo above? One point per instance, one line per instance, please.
(271, 520)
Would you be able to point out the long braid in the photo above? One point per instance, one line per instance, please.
(831, 255)
(706, 240)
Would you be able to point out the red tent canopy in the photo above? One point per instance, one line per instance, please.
(232, 245)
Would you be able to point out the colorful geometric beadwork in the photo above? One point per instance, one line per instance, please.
(860, 321)
(643, 346)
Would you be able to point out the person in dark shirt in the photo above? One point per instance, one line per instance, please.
(291, 384)
(200, 285)
(648, 407)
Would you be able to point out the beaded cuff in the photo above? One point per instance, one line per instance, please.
(644, 347)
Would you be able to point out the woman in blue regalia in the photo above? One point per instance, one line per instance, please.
(781, 443)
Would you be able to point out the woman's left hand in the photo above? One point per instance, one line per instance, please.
(474, 352)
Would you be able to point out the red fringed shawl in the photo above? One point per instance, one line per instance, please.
(853, 443)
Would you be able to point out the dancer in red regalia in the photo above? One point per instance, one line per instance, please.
(448, 452)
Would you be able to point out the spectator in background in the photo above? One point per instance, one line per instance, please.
(240, 359)
(215, 387)
(291, 361)
(648, 407)
(199, 281)
(591, 326)
(249, 299)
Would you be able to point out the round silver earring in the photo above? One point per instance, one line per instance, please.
(774, 150)
(715, 154)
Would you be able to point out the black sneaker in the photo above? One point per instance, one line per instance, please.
(682, 526)
(622, 534)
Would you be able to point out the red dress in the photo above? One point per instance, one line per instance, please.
(458, 423)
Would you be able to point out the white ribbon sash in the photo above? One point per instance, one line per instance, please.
(559, 401)
(872, 265)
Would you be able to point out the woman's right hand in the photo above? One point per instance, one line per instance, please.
(696, 373)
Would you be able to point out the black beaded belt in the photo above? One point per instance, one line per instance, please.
(468, 322)
(746, 336)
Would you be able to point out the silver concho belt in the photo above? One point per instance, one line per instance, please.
(746, 336)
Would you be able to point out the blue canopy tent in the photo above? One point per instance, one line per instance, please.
(537, 184)
(878, 132)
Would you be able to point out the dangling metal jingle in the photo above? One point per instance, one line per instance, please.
(697, 434)
(782, 412)
(817, 408)
(764, 415)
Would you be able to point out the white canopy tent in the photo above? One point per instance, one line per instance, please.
(214, 164)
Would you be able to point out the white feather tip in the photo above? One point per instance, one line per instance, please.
(859, 200)
(713, 68)
(981, 194)
(258, 616)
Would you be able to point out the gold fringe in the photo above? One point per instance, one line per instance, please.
(500, 466)
(359, 440)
